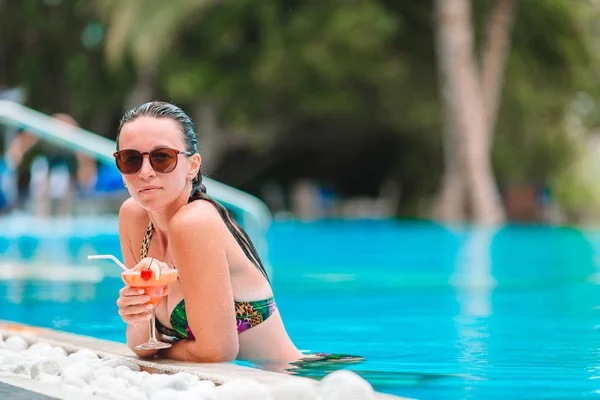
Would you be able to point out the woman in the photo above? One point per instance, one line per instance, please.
(229, 311)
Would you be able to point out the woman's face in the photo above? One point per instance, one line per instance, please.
(153, 190)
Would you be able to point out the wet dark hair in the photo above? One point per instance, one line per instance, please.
(159, 109)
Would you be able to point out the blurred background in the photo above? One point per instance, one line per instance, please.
(431, 170)
(337, 108)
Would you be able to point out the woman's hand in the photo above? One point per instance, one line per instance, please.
(132, 305)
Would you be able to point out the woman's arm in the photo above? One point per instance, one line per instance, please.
(136, 333)
(197, 244)
(179, 351)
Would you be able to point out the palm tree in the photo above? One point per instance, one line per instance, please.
(145, 29)
(470, 98)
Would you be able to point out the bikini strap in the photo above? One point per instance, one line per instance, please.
(146, 241)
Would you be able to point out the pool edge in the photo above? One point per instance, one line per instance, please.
(217, 373)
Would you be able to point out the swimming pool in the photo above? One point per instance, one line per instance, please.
(438, 312)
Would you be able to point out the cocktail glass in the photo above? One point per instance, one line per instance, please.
(155, 288)
(153, 280)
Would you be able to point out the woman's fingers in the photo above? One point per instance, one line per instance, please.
(129, 296)
(133, 310)
(128, 301)
(136, 318)
(129, 291)
(134, 304)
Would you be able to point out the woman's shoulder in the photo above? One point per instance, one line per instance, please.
(198, 215)
(132, 213)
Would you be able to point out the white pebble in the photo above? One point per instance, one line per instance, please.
(7, 369)
(90, 362)
(122, 369)
(155, 382)
(53, 351)
(104, 371)
(295, 389)
(178, 384)
(200, 392)
(163, 394)
(29, 359)
(188, 396)
(115, 362)
(49, 367)
(168, 381)
(144, 374)
(91, 390)
(16, 343)
(189, 378)
(53, 379)
(78, 370)
(22, 369)
(11, 358)
(136, 394)
(243, 389)
(205, 384)
(36, 348)
(72, 381)
(101, 392)
(112, 383)
(62, 361)
(83, 354)
(133, 378)
(118, 394)
(346, 385)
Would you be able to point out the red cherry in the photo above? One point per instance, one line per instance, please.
(146, 274)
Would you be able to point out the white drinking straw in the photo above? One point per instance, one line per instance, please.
(119, 263)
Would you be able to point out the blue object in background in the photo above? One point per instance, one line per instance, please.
(109, 179)
(7, 185)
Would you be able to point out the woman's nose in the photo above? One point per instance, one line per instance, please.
(146, 171)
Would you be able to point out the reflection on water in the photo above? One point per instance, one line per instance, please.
(436, 312)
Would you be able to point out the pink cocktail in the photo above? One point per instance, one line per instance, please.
(152, 287)
(153, 279)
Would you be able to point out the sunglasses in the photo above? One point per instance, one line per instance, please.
(162, 160)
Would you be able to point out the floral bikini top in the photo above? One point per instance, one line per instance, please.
(248, 314)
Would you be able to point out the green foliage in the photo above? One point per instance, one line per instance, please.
(547, 68)
(47, 57)
(336, 76)
(575, 187)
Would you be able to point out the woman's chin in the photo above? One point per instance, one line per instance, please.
(151, 203)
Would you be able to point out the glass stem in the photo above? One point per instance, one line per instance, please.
(152, 328)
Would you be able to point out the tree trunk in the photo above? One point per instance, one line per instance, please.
(494, 54)
(462, 99)
(144, 88)
(449, 206)
(211, 138)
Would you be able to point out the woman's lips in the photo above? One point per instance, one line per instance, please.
(149, 190)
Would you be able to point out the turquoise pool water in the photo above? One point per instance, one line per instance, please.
(438, 312)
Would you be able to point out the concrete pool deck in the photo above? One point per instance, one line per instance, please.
(217, 373)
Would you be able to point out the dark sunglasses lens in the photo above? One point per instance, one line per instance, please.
(129, 161)
(163, 160)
